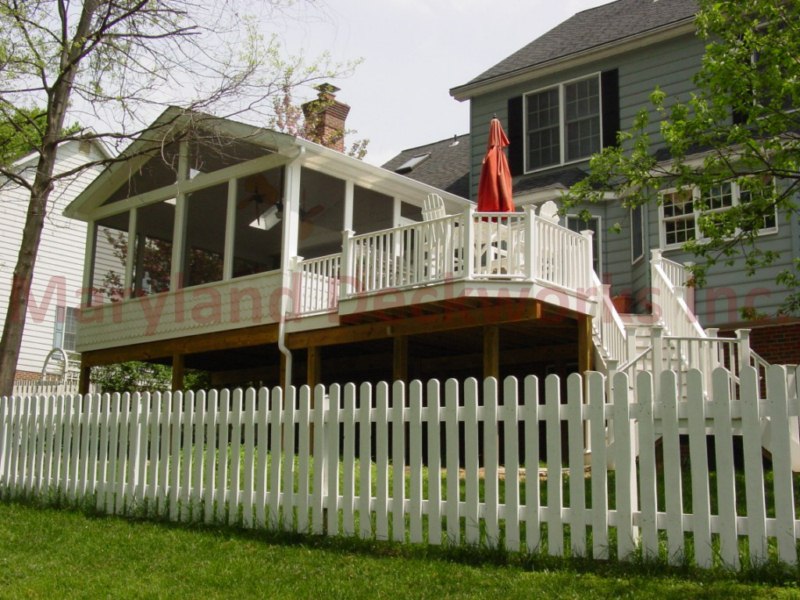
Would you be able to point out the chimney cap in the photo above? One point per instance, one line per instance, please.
(326, 88)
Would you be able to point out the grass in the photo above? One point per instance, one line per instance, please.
(45, 552)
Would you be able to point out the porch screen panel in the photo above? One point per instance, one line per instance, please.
(205, 235)
(110, 252)
(153, 261)
(321, 214)
(259, 223)
(372, 211)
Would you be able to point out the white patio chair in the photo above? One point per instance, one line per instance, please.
(433, 208)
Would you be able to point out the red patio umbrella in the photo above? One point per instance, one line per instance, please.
(494, 188)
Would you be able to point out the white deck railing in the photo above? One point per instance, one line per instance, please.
(467, 246)
(319, 284)
(669, 297)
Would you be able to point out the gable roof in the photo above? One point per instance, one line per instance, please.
(443, 164)
(588, 31)
(174, 122)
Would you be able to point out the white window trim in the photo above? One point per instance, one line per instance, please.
(735, 192)
(642, 221)
(599, 236)
(560, 86)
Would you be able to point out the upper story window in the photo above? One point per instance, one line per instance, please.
(680, 211)
(563, 123)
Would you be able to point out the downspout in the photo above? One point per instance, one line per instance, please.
(287, 273)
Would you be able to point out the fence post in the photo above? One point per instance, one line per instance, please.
(743, 335)
(657, 342)
(588, 265)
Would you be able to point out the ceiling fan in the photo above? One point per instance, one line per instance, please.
(266, 200)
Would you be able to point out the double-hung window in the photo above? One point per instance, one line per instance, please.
(66, 328)
(563, 123)
(681, 211)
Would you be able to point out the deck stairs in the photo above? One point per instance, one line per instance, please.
(671, 338)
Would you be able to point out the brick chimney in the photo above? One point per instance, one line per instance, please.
(325, 118)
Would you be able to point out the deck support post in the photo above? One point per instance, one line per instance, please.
(177, 372)
(314, 367)
(400, 358)
(85, 377)
(491, 351)
(585, 345)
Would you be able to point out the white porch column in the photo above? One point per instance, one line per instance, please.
(176, 275)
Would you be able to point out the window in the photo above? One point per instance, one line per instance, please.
(66, 328)
(637, 234)
(681, 209)
(563, 123)
(578, 224)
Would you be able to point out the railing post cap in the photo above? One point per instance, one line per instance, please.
(655, 254)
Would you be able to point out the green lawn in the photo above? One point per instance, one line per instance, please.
(46, 552)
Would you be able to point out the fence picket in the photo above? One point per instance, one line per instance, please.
(275, 434)
(398, 461)
(491, 500)
(754, 470)
(595, 387)
(154, 445)
(197, 459)
(135, 437)
(673, 486)
(533, 529)
(236, 456)
(187, 444)
(318, 495)
(647, 466)
(415, 462)
(778, 412)
(472, 526)
(176, 413)
(726, 482)
(304, 450)
(25, 425)
(262, 459)
(451, 462)
(113, 447)
(163, 454)
(701, 500)
(381, 461)
(364, 455)
(577, 484)
(249, 446)
(348, 460)
(555, 493)
(287, 470)
(47, 458)
(122, 454)
(511, 454)
(211, 456)
(75, 450)
(223, 443)
(434, 463)
(625, 482)
(332, 450)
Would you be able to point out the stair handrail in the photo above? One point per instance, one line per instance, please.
(607, 325)
(676, 316)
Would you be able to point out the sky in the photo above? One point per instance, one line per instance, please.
(413, 52)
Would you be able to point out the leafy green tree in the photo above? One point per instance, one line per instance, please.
(122, 62)
(740, 126)
(135, 376)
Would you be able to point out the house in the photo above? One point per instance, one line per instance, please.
(563, 97)
(55, 292)
(266, 258)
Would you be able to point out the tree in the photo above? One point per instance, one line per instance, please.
(739, 127)
(120, 62)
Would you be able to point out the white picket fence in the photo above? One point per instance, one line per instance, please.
(462, 463)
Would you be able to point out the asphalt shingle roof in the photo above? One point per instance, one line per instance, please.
(593, 28)
(447, 167)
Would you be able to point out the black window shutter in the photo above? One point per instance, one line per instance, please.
(609, 86)
(516, 137)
